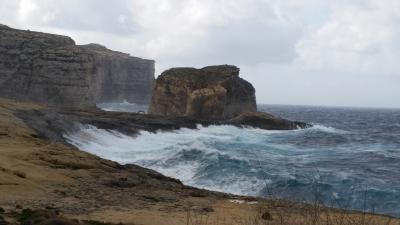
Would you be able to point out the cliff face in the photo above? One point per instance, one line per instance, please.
(51, 69)
(214, 92)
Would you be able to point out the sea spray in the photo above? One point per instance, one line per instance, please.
(340, 159)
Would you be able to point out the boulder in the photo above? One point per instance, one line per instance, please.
(53, 70)
(214, 92)
(266, 121)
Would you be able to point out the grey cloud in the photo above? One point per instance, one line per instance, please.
(343, 52)
(246, 43)
(252, 42)
(8, 12)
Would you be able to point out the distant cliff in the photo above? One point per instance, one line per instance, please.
(213, 92)
(52, 69)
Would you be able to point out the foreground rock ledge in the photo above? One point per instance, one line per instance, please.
(53, 123)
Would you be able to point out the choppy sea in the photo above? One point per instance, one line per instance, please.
(349, 159)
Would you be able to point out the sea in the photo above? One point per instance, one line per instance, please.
(349, 158)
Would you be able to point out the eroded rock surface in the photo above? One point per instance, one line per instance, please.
(266, 121)
(51, 69)
(214, 92)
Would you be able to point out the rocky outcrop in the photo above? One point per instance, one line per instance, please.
(51, 69)
(266, 121)
(214, 92)
(212, 95)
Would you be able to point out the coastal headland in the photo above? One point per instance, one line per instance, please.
(50, 87)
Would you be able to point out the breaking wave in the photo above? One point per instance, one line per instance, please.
(342, 164)
(123, 106)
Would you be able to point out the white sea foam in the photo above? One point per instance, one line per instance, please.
(327, 129)
(123, 106)
(171, 153)
(163, 151)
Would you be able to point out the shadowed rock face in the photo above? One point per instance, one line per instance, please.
(51, 69)
(214, 92)
(266, 121)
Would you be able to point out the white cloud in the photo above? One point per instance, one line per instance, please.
(25, 8)
(356, 39)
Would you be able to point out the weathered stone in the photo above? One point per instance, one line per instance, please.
(207, 101)
(266, 121)
(54, 123)
(214, 92)
(51, 69)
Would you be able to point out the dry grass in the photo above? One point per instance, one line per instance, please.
(266, 214)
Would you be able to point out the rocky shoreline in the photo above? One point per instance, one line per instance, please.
(182, 98)
(41, 172)
(53, 123)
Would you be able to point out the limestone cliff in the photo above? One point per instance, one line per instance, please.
(52, 69)
(214, 92)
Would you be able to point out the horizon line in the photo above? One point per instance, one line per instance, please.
(332, 106)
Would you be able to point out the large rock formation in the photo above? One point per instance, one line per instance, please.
(214, 92)
(51, 69)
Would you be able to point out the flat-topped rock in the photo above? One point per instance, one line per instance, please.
(214, 92)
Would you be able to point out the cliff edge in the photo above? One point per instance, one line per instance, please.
(53, 70)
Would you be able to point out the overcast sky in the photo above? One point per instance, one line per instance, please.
(312, 52)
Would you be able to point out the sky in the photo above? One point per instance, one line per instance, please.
(302, 52)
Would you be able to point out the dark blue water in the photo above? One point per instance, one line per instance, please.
(350, 159)
(358, 168)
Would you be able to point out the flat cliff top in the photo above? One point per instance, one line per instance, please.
(55, 40)
(39, 173)
(210, 72)
(103, 50)
(34, 37)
